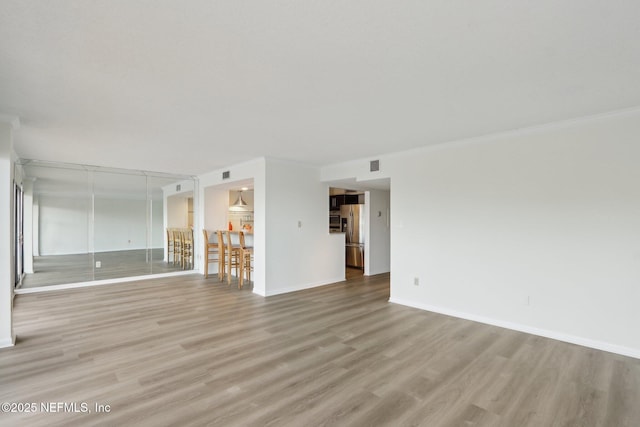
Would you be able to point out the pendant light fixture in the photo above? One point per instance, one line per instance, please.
(239, 203)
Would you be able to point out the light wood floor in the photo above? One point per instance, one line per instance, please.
(62, 269)
(189, 351)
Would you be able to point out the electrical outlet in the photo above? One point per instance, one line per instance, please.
(299, 224)
(98, 264)
(416, 281)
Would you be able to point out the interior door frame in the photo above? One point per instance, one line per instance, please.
(18, 211)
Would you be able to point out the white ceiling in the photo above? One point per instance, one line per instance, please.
(191, 86)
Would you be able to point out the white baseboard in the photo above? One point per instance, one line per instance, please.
(560, 336)
(100, 282)
(8, 342)
(375, 273)
(280, 291)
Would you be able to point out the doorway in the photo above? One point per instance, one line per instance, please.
(373, 201)
(231, 207)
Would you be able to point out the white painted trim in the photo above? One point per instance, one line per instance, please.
(8, 342)
(585, 342)
(255, 291)
(101, 282)
(273, 292)
(512, 133)
(359, 164)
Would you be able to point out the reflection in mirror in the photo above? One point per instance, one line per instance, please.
(169, 211)
(120, 225)
(61, 226)
(94, 223)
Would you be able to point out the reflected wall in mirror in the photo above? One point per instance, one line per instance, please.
(92, 223)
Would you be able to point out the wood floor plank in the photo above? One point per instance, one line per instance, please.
(193, 351)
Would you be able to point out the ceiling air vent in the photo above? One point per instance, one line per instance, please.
(226, 174)
(374, 165)
(178, 187)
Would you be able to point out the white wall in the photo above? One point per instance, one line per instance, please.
(64, 225)
(158, 235)
(306, 256)
(175, 203)
(216, 205)
(7, 337)
(552, 218)
(177, 211)
(120, 224)
(535, 230)
(378, 245)
(358, 169)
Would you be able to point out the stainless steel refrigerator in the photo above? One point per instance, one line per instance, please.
(353, 227)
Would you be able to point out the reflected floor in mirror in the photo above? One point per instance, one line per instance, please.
(62, 269)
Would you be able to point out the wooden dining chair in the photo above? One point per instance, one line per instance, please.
(233, 250)
(211, 251)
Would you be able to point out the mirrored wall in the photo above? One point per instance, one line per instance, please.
(90, 223)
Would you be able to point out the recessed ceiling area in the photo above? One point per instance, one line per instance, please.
(192, 87)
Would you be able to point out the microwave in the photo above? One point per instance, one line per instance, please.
(334, 222)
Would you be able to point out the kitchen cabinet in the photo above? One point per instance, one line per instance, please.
(351, 199)
(344, 199)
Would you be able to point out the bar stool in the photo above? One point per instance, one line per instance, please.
(221, 255)
(246, 254)
(233, 250)
(187, 248)
(176, 238)
(170, 247)
(211, 251)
